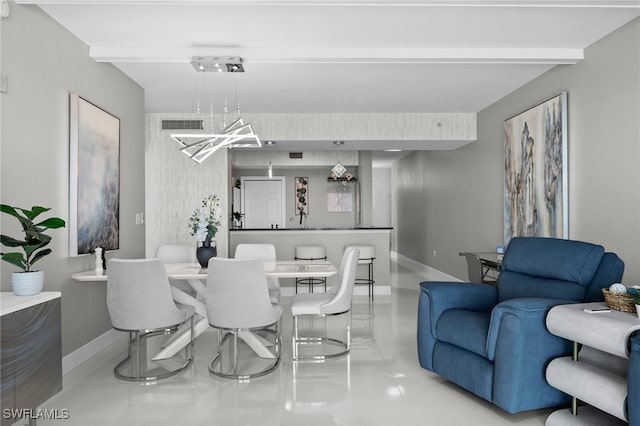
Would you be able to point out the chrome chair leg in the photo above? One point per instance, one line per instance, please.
(216, 368)
(319, 340)
(138, 370)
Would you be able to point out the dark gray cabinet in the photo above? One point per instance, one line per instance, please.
(31, 357)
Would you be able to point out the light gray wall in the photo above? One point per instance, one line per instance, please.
(453, 201)
(381, 196)
(44, 63)
(365, 181)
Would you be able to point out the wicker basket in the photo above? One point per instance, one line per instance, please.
(619, 301)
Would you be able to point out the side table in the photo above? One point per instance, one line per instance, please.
(597, 372)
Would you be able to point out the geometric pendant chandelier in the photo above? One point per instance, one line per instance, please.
(199, 146)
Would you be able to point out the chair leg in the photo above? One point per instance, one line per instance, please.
(345, 345)
(216, 367)
(138, 368)
(235, 352)
(295, 337)
(134, 349)
(371, 280)
(348, 331)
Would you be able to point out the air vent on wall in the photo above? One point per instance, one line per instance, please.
(295, 155)
(182, 124)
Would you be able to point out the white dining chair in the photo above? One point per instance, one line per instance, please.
(174, 253)
(238, 301)
(335, 301)
(139, 302)
(266, 253)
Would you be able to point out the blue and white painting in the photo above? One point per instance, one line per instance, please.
(535, 188)
(98, 179)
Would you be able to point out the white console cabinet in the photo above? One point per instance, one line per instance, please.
(596, 374)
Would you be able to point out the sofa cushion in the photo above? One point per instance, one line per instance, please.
(548, 267)
(516, 286)
(464, 329)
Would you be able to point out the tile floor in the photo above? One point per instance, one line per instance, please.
(379, 383)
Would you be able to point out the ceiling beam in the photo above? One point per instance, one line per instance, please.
(635, 4)
(159, 54)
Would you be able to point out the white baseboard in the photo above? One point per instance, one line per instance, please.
(85, 352)
(427, 271)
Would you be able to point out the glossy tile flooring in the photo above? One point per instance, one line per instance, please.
(379, 383)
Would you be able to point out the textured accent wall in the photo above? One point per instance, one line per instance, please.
(176, 185)
(369, 127)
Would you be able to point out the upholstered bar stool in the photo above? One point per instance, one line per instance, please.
(311, 252)
(367, 256)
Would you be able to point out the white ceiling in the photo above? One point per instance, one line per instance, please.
(328, 56)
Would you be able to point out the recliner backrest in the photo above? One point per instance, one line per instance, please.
(549, 268)
(610, 271)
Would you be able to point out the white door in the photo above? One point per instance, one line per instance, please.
(263, 201)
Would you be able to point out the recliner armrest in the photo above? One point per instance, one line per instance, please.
(443, 296)
(520, 346)
(527, 309)
(437, 297)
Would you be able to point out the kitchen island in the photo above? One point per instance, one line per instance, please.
(334, 239)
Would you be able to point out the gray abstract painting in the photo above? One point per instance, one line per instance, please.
(95, 178)
(535, 188)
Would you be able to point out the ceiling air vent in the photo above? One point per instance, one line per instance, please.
(182, 124)
(295, 155)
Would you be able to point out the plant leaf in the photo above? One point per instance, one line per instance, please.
(34, 212)
(52, 223)
(11, 242)
(15, 259)
(25, 222)
(33, 234)
(29, 249)
(40, 255)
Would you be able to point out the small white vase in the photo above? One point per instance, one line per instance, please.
(27, 283)
(638, 311)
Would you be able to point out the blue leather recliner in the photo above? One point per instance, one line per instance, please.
(492, 340)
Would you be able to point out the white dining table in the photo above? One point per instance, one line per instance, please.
(196, 276)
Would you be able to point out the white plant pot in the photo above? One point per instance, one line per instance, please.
(27, 283)
(638, 311)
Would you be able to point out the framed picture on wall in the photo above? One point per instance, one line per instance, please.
(535, 171)
(302, 196)
(94, 168)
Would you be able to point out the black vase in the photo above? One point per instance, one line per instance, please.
(205, 253)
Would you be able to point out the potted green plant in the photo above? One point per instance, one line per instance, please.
(29, 281)
(635, 293)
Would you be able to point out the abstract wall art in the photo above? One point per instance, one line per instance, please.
(535, 171)
(94, 166)
(302, 196)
